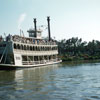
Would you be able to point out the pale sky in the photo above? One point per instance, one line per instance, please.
(69, 18)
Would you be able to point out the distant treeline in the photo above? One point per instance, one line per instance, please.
(76, 49)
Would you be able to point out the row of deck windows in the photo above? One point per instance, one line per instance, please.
(34, 48)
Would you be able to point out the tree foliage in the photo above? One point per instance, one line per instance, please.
(75, 47)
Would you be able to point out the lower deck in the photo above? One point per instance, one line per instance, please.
(12, 66)
(33, 60)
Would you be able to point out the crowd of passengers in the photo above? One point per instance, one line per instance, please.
(17, 38)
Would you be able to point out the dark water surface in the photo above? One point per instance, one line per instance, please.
(66, 81)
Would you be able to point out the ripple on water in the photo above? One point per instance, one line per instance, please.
(57, 82)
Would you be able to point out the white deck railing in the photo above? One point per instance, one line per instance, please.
(39, 62)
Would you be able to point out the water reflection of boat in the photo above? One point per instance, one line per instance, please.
(19, 51)
(34, 78)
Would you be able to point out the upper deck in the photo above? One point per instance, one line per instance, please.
(32, 41)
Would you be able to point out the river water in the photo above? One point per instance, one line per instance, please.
(65, 81)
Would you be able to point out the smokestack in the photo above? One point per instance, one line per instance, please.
(35, 27)
(48, 20)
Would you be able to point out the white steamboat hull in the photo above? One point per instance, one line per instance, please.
(10, 66)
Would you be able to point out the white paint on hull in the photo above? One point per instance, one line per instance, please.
(27, 66)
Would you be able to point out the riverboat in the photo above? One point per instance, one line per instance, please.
(18, 51)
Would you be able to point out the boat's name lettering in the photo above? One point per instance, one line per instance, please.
(17, 58)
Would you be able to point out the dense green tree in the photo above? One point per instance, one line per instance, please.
(76, 47)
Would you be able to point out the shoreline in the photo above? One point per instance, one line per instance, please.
(78, 58)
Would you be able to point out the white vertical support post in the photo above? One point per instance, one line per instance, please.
(43, 59)
(38, 60)
(27, 60)
(51, 57)
(33, 60)
(48, 58)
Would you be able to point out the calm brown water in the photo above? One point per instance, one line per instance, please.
(68, 81)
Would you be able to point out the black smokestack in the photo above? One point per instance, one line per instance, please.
(35, 27)
(48, 20)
